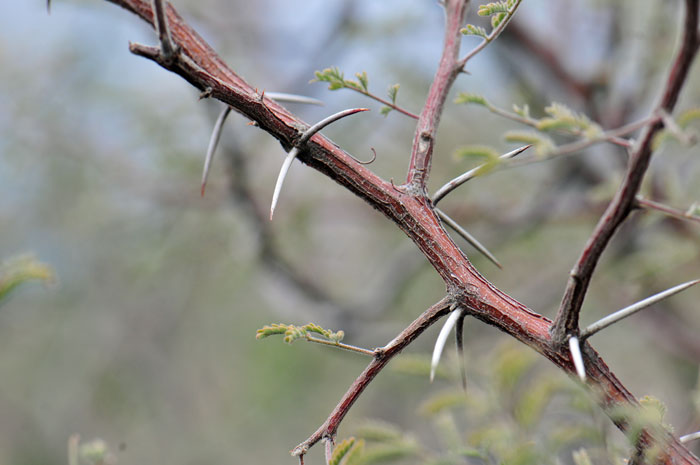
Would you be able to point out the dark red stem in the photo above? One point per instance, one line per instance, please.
(567, 319)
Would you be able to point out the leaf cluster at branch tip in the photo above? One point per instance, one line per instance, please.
(292, 333)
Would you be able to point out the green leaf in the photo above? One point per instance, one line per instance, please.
(443, 401)
(389, 452)
(392, 92)
(523, 111)
(562, 117)
(493, 8)
(687, 117)
(465, 97)
(472, 452)
(21, 269)
(355, 454)
(497, 19)
(543, 144)
(333, 76)
(292, 333)
(477, 151)
(510, 366)
(364, 80)
(472, 30)
(379, 431)
(270, 330)
(385, 110)
(581, 457)
(341, 450)
(417, 365)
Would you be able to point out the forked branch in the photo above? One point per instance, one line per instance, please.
(410, 208)
(567, 320)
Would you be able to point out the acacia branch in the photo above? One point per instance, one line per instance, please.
(567, 319)
(448, 70)
(410, 209)
(381, 357)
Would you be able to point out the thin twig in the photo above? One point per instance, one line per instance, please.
(467, 237)
(665, 209)
(379, 99)
(461, 179)
(341, 345)
(167, 47)
(567, 320)
(308, 134)
(426, 129)
(381, 358)
(329, 450)
(492, 36)
(634, 308)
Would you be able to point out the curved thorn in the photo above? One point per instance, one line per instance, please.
(459, 336)
(462, 178)
(575, 349)
(280, 178)
(213, 142)
(441, 339)
(690, 437)
(308, 134)
(468, 237)
(634, 308)
(293, 98)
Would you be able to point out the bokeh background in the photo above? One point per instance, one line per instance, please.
(147, 338)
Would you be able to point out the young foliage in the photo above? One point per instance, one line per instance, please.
(505, 417)
(341, 452)
(336, 80)
(292, 333)
(466, 97)
(472, 30)
(391, 93)
(21, 269)
(493, 8)
(562, 118)
(543, 144)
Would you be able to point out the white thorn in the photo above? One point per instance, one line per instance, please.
(575, 350)
(690, 437)
(468, 237)
(462, 178)
(293, 98)
(627, 311)
(308, 134)
(441, 340)
(280, 178)
(213, 142)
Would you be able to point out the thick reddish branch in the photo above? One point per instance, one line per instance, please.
(426, 129)
(409, 210)
(567, 320)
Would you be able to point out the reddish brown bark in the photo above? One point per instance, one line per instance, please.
(407, 206)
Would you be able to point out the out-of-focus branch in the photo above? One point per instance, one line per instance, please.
(567, 319)
(666, 210)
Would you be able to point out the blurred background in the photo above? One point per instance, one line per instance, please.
(146, 339)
